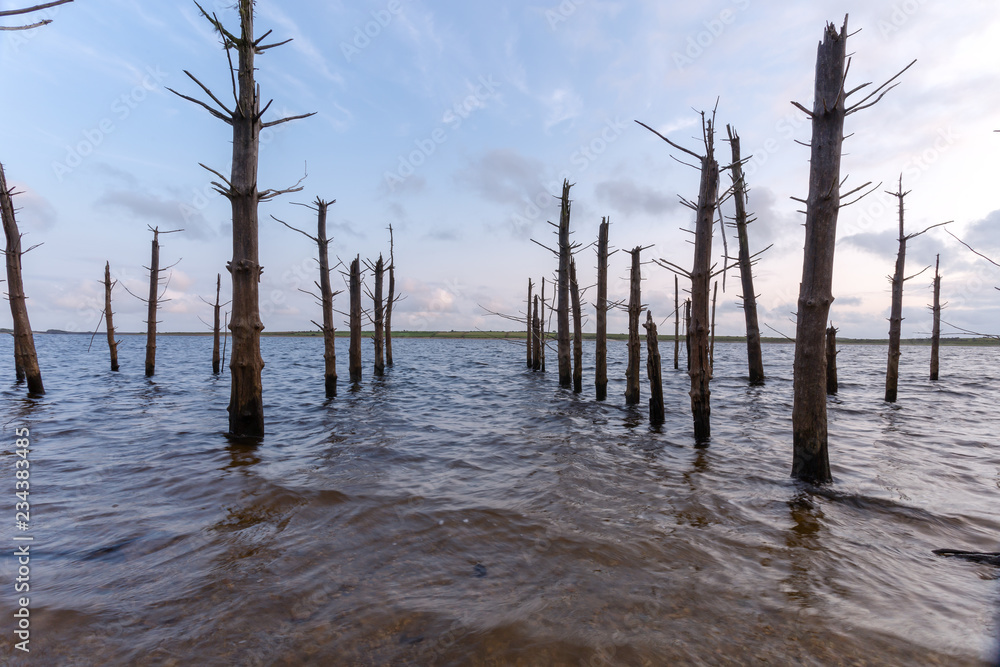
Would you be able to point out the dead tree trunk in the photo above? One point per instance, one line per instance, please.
(529, 342)
(755, 359)
(677, 321)
(601, 353)
(936, 327)
(543, 333)
(562, 314)
(687, 333)
(831, 361)
(217, 325)
(109, 316)
(354, 353)
(151, 307)
(711, 345)
(246, 405)
(326, 298)
(574, 289)
(634, 311)
(25, 357)
(392, 297)
(654, 371)
(810, 460)
(379, 322)
(536, 339)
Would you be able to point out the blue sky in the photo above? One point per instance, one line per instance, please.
(457, 123)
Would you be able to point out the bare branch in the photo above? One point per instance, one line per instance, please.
(861, 103)
(285, 120)
(973, 249)
(296, 229)
(680, 148)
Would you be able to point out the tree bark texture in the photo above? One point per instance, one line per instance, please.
(634, 311)
(601, 353)
(109, 317)
(810, 459)
(574, 290)
(755, 360)
(711, 345)
(154, 289)
(562, 314)
(536, 339)
(687, 333)
(379, 322)
(326, 300)
(654, 372)
(216, 328)
(896, 310)
(542, 323)
(354, 352)
(529, 342)
(832, 385)
(936, 327)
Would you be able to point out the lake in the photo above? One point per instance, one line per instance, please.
(463, 510)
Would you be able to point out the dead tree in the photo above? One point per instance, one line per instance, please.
(574, 290)
(711, 344)
(832, 385)
(378, 338)
(634, 311)
(536, 339)
(562, 314)
(755, 360)
(153, 302)
(30, 10)
(389, 301)
(896, 311)
(654, 372)
(677, 321)
(601, 352)
(25, 357)
(529, 341)
(542, 335)
(810, 459)
(216, 326)
(354, 351)
(936, 327)
(701, 275)
(687, 333)
(246, 405)
(109, 317)
(326, 293)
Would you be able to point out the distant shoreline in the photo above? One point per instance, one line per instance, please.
(521, 335)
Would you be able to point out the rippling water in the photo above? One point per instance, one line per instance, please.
(463, 510)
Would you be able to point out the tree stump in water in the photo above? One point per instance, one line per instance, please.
(109, 317)
(601, 345)
(354, 351)
(831, 361)
(634, 311)
(574, 290)
(654, 372)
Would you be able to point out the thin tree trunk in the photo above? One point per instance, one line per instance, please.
(562, 314)
(896, 310)
(225, 337)
(810, 459)
(529, 342)
(687, 332)
(711, 345)
(326, 299)
(109, 317)
(355, 319)
(216, 362)
(831, 361)
(755, 359)
(574, 289)
(379, 322)
(543, 333)
(601, 354)
(392, 297)
(536, 342)
(677, 322)
(634, 311)
(653, 370)
(700, 371)
(154, 288)
(936, 330)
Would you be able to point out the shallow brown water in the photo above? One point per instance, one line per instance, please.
(463, 511)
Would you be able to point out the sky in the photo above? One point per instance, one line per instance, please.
(457, 122)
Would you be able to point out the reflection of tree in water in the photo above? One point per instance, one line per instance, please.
(803, 540)
(692, 511)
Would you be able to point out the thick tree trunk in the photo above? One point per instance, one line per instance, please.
(654, 371)
(354, 287)
(536, 339)
(601, 354)
(379, 322)
(677, 322)
(109, 317)
(832, 385)
(18, 358)
(574, 289)
(896, 310)
(154, 289)
(388, 303)
(529, 342)
(634, 311)
(216, 329)
(246, 402)
(562, 314)
(700, 370)
(326, 299)
(936, 330)
(755, 359)
(810, 461)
